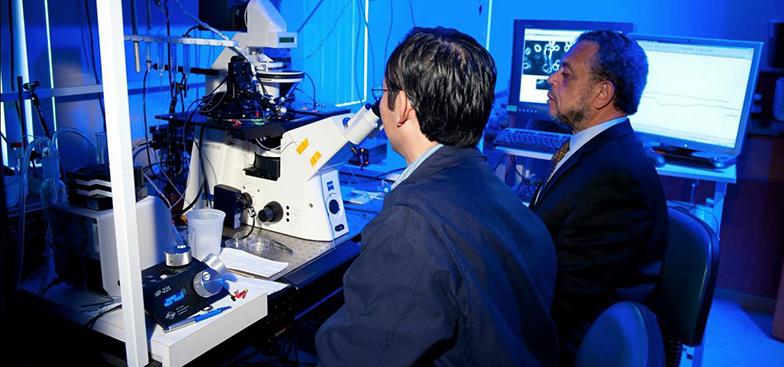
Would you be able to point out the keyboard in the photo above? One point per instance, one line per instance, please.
(525, 190)
(531, 140)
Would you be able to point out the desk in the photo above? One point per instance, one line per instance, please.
(721, 177)
(314, 273)
(177, 347)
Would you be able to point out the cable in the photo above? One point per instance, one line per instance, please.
(13, 58)
(144, 114)
(389, 31)
(191, 29)
(95, 65)
(361, 10)
(252, 226)
(49, 286)
(213, 30)
(91, 323)
(307, 19)
(313, 87)
(313, 100)
(160, 193)
(411, 11)
(329, 33)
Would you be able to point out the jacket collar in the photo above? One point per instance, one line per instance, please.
(618, 131)
(446, 156)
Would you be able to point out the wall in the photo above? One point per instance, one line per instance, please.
(332, 50)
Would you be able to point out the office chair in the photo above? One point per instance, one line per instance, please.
(624, 335)
(684, 293)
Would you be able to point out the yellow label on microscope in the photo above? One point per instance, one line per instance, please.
(314, 159)
(302, 146)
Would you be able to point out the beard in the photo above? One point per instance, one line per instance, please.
(574, 118)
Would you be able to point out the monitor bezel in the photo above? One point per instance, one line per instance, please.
(535, 109)
(712, 149)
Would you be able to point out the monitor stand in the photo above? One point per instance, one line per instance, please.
(690, 157)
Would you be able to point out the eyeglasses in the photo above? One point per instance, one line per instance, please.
(378, 92)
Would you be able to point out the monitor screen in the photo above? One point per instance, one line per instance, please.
(698, 93)
(536, 53)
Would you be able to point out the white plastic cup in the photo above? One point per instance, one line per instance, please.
(205, 229)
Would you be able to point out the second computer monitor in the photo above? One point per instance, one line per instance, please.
(699, 92)
(536, 53)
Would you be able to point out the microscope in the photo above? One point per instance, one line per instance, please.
(265, 164)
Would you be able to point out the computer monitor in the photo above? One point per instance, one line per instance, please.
(536, 53)
(698, 94)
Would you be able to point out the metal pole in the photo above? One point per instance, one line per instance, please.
(118, 132)
(20, 60)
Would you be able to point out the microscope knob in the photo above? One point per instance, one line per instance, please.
(334, 206)
(207, 283)
(272, 212)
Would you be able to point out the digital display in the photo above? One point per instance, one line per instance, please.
(174, 298)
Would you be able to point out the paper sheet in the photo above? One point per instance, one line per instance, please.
(251, 264)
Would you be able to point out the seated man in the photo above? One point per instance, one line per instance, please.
(603, 202)
(454, 269)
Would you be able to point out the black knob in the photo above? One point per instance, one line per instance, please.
(272, 212)
(334, 207)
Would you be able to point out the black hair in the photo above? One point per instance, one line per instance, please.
(621, 61)
(449, 78)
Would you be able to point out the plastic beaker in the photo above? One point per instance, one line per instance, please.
(205, 230)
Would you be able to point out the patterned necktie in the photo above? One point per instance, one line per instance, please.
(557, 156)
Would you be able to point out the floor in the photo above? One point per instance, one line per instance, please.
(736, 336)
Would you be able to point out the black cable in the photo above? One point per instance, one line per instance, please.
(183, 90)
(144, 116)
(411, 11)
(204, 184)
(165, 10)
(91, 322)
(95, 65)
(49, 286)
(13, 71)
(41, 119)
(252, 227)
(307, 95)
(313, 86)
(329, 33)
(203, 170)
(307, 19)
(361, 9)
(356, 77)
(389, 31)
(191, 29)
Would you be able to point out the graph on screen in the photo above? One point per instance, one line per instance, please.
(694, 92)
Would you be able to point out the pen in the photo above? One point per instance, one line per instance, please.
(195, 319)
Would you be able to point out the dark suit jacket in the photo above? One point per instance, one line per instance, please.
(606, 211)
(454, 270)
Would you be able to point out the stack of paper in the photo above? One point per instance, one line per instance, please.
(250, 264)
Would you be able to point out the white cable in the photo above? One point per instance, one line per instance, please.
(160, 194)
(64, 130)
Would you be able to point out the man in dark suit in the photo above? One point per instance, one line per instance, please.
(454, 270)
(602, 202)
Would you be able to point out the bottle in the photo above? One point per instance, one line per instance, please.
(52, 188)
(12, 182)
(101, 152)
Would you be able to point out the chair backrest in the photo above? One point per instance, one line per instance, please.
(625, 335)
(684, 293)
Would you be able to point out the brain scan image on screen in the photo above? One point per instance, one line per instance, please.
(543, 57)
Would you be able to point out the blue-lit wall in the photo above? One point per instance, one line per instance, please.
(331, 43)
(332, 50)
